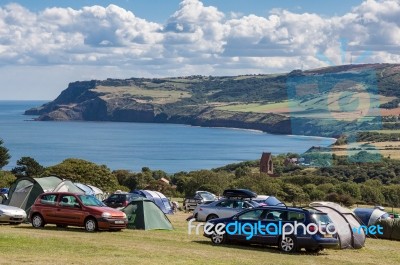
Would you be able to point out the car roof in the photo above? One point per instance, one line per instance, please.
(294, 209)
(61, 192)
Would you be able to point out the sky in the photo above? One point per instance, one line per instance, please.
(46, 44)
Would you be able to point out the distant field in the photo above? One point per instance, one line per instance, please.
(340, 106)
(394, 154)
(386, 149)
(25, 245)
(156, 95)
(281, 107)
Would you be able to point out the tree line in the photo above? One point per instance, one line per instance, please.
(362, 178)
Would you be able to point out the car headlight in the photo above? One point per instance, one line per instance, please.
(124, 215)
(106, 215)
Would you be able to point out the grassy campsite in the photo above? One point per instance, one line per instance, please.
(19, 244)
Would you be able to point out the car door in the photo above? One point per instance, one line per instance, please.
(225, 209)
(246, 225)
(70, 211)
(48, 207)
(272, 220)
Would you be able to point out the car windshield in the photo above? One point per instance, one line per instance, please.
(273, 201)
(207, 196)
(321, 218)
(89, 200)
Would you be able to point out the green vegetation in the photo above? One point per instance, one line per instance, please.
(378, 136)
(27, 167)
(6, 178)
(4, 155)
(361, 178)
(78, 170)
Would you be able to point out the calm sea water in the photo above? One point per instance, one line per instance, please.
(118, 145)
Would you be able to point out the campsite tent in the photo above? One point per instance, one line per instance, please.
(142, 213)
(98, 193)
(24, 191)
(369, 216)
(344, 221)
(158, 198)
(90, 190)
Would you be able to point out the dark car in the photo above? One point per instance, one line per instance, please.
(119, 199)
(274, 218)
(64, 209)
(200, 197)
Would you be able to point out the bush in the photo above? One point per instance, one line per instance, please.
(6, 179)
(391, 229)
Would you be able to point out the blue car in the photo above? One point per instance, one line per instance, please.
(272, 226)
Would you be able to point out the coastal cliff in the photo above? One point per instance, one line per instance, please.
(260, 102)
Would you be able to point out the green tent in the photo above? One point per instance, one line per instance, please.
(144, 214)
(24, 191)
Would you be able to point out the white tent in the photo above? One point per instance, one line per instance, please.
(346, 223)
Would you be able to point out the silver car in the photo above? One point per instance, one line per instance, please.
(11, 214)
(223, 208)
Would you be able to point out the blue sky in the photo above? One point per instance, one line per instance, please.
(160, 10)
(46, 44)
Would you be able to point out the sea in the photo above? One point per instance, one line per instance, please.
(131, 146)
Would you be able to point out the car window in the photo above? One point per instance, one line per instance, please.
(49, 199)
(321, 218)
(207, 196)
(250, 204)
(296, 216)
(113, 198)
(68, 201)
(251, 215)
(275, 215)
(225, 204)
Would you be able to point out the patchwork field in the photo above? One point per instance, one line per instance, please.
(25, 245)
(337, 105)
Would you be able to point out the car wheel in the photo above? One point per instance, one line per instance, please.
(211, 216)
(90, 225)
(37, 221)
(288, 244)
(313, 250)
(218, 239)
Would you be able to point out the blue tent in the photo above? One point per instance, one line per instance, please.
(158, 198)
(369, 216)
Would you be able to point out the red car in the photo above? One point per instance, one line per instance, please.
(63, 209)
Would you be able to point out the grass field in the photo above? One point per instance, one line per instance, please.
(280, 107)
(156, 95)
(26, 245)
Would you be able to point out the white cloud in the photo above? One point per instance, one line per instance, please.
(196, 39)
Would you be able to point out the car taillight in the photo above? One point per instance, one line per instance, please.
(125, 203)
(312, 228)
